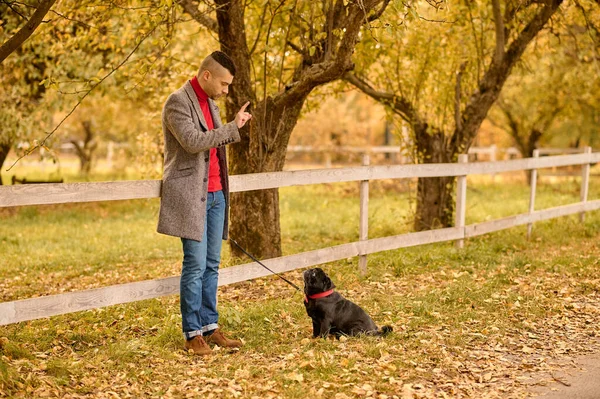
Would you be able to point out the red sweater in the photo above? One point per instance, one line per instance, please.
(214, 171)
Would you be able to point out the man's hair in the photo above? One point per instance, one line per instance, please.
(220, 58)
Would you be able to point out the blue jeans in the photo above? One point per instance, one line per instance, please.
(200, 272)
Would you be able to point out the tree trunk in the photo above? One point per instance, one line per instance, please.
(255, 214)
(4, 150)
(532, 143)
(86, 149)
(435, 204)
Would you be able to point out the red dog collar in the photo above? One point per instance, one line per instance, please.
(317, 296)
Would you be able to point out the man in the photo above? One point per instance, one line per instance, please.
(195, 194)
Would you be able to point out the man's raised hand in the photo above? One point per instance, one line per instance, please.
(242, 116)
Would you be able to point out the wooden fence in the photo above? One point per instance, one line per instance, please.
(35, 308)
(491, 153)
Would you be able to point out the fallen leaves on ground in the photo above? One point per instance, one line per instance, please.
(460, 331)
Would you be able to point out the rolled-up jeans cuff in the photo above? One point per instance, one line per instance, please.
(209, 327)
(191, 334)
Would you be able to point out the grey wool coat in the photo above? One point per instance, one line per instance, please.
(185, 176)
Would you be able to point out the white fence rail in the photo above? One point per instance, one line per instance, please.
(35, 308)
(492, 152)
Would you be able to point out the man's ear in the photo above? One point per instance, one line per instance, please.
(205, 75)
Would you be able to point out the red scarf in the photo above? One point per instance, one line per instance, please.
(214, 170)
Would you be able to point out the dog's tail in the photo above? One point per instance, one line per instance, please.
(385, 330)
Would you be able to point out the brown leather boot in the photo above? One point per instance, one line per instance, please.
(218, 338)
(198, 345)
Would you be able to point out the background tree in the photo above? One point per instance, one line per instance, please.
(85, 50)
(282, 51)
(441, 71)
(439, 68)
(550, 98)
(21, 31)
(20, 92)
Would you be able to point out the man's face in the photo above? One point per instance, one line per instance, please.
(216, 83)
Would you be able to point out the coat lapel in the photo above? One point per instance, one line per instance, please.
(189, 90)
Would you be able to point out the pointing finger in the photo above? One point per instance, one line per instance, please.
(243, 109)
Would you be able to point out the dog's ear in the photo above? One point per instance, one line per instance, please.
(325, 281)
(328, 284)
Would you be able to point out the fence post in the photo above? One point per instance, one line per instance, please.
(585, 181)
(110, 152)
(493, 156)
(461, 199)
(363, 232)
(533, 188)
(327, 159)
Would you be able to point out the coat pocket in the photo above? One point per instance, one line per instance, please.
(182, 171)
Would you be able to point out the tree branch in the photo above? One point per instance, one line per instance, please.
(14, 9)
(297, 48)
(590, 27)
(325, 71)
(512, 7)
(42, 144)
(499, 22)
(476, 41)
(329, 30)
(262, 22)
(378, 13)
(23, 34)
(553, 114)
(497, 73)
(273, 15)
(513, 126)
(285, 44)
(191, 8)
(398, 104)
(457, 93)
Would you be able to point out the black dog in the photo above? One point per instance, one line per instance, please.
(333, 314)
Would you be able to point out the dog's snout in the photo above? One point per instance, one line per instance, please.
(309, 273)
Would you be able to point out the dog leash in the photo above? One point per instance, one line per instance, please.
(260, 263)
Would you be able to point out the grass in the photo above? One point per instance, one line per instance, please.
(463, 319)
(57, 248)
(32, 168)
